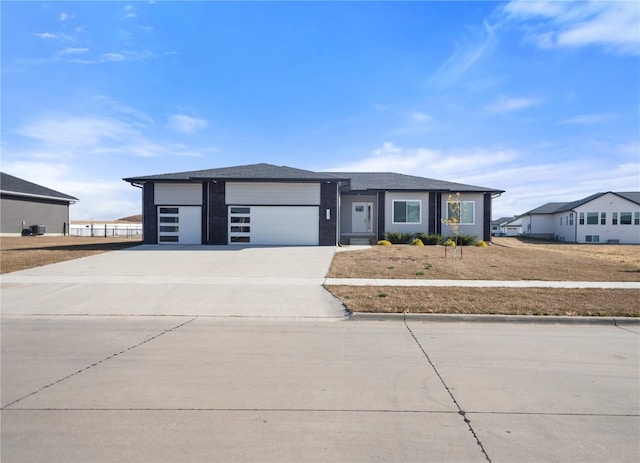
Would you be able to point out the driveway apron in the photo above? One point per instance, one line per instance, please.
(225, 281)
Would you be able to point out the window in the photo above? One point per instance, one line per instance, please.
(625, 218)
(165, 219)
(592, 218)
(592, 238)
(603, 218)
(636, 218)
(169, 228)
(406, 211)
(168, 210)
(461, 211)
(570, 219)
(239, 224)
(582, 218)
(168, 239)
(614, 218)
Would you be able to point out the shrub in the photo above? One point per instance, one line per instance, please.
(449, 242)
(463, 240)
(417, 242)
(384, 243)
(481, 244)
(398, 237)
(430, 239)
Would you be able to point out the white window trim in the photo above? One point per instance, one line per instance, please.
(393, 208)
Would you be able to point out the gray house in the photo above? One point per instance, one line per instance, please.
(25, 205)
(263, 204)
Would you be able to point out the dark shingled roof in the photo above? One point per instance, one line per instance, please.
(554, 208)
(248, 172)
(14, 185)
(361, 181)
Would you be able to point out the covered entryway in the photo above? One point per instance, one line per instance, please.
(274, 225)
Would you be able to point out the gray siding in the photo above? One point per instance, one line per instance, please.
(178, 194)
(273, 194)
(15, 210)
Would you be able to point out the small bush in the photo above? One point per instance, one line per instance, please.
(463, 240)
(482, 244)
(384, 243)
(398, 237)
(449, 242)
(430, 239)
(417, 242)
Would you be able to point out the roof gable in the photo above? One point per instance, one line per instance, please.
(20, 187)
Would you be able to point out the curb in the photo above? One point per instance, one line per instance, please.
(543, 319)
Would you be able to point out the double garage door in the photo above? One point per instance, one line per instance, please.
(248, 225)
(274, 225)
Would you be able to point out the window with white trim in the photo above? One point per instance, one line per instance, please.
(463, 212)
(407, 211)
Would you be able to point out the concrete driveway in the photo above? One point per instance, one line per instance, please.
(282, 282)
(196, 389)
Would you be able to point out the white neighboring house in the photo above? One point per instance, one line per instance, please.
(611, 217)
(507, 226)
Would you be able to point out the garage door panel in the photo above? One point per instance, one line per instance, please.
(277, 225)
(181, 225)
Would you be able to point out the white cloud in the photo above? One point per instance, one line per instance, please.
(507, 104)
(588, 119)
(73, 51)
(45, 35)
(186, 124)
(74, 132)
(464, 57)
(129, 12)
(418, 116)
(65, 16)
(614, 26)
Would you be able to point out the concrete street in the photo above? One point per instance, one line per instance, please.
(153, 355)
(169, 388)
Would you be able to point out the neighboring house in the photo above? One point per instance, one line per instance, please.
(612, 217)
(26, 205)
(506, 226)
(263, 204)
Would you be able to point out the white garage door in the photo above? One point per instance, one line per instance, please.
(274, 225)
(181, 225)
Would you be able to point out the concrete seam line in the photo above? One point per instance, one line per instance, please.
(460, 411)
(97, 363)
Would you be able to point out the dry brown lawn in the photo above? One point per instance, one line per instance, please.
(503, 301)
(23, 252)
(507, 259)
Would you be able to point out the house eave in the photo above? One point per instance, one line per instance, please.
(70, 200)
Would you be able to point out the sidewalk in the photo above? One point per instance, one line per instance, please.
(482, 283)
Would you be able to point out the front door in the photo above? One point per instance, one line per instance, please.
(362, 218)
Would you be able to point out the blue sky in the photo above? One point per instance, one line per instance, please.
(541, 99)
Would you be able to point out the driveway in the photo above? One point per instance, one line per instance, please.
(281, 282)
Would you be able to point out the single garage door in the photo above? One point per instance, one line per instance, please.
(274, 225)
(180, 224)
